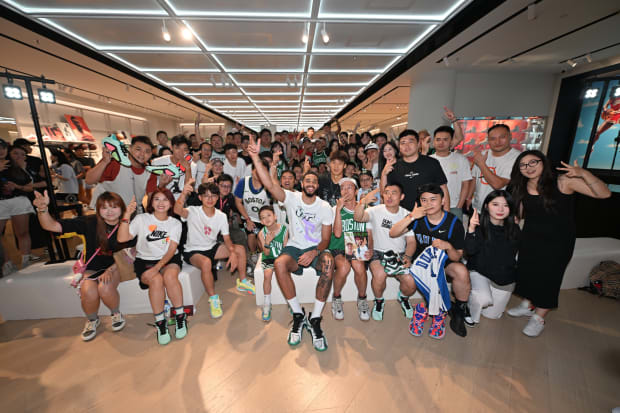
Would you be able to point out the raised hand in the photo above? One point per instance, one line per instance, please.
(449, 114)
(474, 221)
(370, 197)
(307, 165)
(164, 180)
(131, 207)
(418, 212)
(41, 201)
(479, 158)
(389, 167)
(254, 147)
(106, 156)
(572, 171)
(340, 203)
(189, 187)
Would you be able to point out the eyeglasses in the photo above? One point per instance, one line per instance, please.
(225, 186)
(531, 164)
(211, 196)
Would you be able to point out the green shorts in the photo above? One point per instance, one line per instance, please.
(295, 253)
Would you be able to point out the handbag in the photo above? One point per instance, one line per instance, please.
(80, 266)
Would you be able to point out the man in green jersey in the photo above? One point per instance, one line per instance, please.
(351, 248)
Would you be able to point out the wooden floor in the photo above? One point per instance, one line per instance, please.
(240, 364)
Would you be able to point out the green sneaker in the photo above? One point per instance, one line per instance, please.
(215, 305)
(246, 286)
(318, 338)
(181, 330)
(377, 310)
(163, 336)
(405, 306)
(392, 264)
(296, 332)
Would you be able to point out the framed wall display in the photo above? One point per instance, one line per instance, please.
(79, 128)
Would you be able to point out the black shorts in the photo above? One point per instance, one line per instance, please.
(210, 254)
(258, 227)
(140, 266)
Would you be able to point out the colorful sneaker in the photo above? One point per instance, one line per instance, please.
(118, 151)
(163, 336)
(438, 328)
(522, 310)
(118, 322)
(535, 326)
(216, 306)
(170, 170)
(266, 312)
(296, 332)
(337, 309)
(318, 339)
(393, 264)
(181, 330)
(405, 306)
(363, 309)
(416, 326)
(246, 286)
(90, 329)
(377, 310)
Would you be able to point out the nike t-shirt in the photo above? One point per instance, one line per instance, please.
(154, 236)
(449, 229)
(381, 221)
(202, 230)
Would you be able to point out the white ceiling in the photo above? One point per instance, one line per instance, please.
(248, 61)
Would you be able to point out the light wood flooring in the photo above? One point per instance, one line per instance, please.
(241, 364)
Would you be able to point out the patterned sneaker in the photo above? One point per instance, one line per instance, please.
(405, 306)
(266, 312)
(246, 286)
(216, 306)
(535, 326)
(337, 309)
(392, 263)
(363, 309)
(318, 339)
(522, 310)
(377, 310)
(163, 336)
(90, 329)
(416, 326)
(296, 332)
(118, 151)
(118, 322)
(181, 330)
(438, 328)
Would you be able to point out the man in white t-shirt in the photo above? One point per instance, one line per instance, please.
(492, 169)
(456, 168)
(204, 224)
(310, 228)
(180, 157)
(202, 166)
(392, 256)
(233, 165)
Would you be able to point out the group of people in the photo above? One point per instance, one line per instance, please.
(335, 202)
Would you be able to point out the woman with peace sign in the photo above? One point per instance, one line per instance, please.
(101, 278)
(548, 238)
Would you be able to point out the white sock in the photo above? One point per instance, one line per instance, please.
(267, 300)
(318, 308)
(295, 306)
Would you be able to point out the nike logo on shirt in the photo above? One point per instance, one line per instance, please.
(156, 236)
(440, 231)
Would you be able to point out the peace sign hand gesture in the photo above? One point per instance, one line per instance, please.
(131, 208)
(189, 187)
(572, 171)
(474, 221)
(41, 201)
(254, 147)
(449, 114)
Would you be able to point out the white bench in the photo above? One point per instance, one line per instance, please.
(43, 291)
(588, 253)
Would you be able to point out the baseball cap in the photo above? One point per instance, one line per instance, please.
(22, 142)
(217, 160)
(370, 146)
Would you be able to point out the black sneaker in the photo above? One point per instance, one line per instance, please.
(296, 331)
(181, 330)
(318, 339)
(457, 320)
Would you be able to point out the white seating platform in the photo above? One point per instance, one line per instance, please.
(43, 291)
(588, 253)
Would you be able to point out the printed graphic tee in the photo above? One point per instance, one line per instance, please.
(381, 221)
(154, 236)
(202, 230)
(306, 221)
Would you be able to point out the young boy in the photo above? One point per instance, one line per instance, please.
(204, 223)
(272, 238)
(366, 181)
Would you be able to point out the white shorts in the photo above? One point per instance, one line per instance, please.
(15, 206)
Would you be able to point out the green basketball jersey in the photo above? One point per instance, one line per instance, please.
(275, 245)
(351, 229)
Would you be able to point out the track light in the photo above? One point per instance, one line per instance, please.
(324, 34)
(165, 32)
(304, 37)
(571, 63)
(187, 35)
(11, 91)
(589, 58)
(446, 61)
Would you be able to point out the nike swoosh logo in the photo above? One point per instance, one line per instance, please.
(151, 238)
(441, 232)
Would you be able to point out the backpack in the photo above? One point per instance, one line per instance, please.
(605, 280)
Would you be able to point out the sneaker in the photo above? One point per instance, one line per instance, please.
(438, 328)
(8, 268)
(118, 322)
(90, 329)
(318, 339)
(416, 326)
(457, 320)
(469, 321)
(535, 326)
(522, 310)
(337, 309)
(296, 332)
(405, 306)
(246, 286)
(266, 312)
(393, 264)
(163, 335)
(181, 330)
(216, 306)
(377, 310)
(118, 151)
(363, 309)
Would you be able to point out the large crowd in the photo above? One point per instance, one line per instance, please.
(331, 200)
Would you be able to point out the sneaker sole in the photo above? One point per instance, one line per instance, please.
(245, 290)
(437, 338)
(89, 338)
(416, 335)
(119, 328)
(216, 316)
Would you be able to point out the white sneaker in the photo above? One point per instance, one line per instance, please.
(337, 309)
(535, 326)
(90, 329)
(363, 309)
(8, 268)
(522, 310)
(118, 322)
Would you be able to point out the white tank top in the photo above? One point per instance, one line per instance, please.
(253, 202)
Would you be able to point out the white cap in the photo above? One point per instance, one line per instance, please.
(371, 145)
(346, 179)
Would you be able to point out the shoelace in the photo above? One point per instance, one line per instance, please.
(297, 322)
(338, 305)
(161, 325)
(364, 306)
(215, 303)
(92, 325)
(117, 318)
(316, 327)
(379, 304)
(180, 320)
(406, 304)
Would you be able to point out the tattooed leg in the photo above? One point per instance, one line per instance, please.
(326, 266)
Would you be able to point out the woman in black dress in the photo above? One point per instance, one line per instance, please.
(548, 238)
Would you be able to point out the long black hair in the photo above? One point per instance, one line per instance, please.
(382, 160)
(511, 229)
(546, 183)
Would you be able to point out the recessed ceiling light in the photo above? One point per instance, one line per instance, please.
(187, 35)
